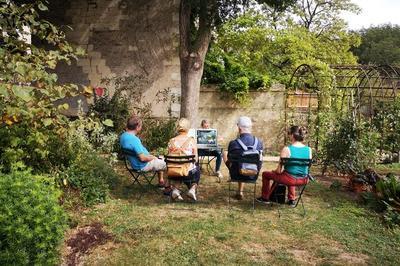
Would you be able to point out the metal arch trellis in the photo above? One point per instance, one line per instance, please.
(354, 88)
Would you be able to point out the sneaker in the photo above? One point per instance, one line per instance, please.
(167, 191)
(262, 200)
(192, 194)
(176, 194)
(291, 203)
(219, 175)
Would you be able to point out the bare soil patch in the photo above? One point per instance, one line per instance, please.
(83, 241)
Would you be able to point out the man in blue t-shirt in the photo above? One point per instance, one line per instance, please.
(143, 160)
(234, 149)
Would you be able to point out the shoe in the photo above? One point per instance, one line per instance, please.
(239, 196)
(219, 175)
(167, 191)
(291, 203)
(192, 194)
(176, 194)
(262, 200)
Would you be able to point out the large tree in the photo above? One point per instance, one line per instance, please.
(197, 19)
(379, 45)
(322, 15)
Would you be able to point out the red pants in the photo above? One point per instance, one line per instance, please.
(282, 178)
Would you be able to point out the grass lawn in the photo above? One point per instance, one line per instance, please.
(149, 231)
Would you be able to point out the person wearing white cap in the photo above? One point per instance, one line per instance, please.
(244, 125)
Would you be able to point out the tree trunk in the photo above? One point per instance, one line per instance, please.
(192, 55)
(191, 73)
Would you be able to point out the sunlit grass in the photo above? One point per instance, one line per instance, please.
(149, 231)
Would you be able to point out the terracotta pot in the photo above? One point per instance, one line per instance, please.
(358, 187)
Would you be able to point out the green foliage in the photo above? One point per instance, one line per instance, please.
(386, 199)
(335, 186)
(89, 172)
(39, 149)
(351, 145)
(157, 132)
(32, 127)
(387, 122)
(91, 175)
(127, 89)
(380, 45)
(251, 46)
(31, 221)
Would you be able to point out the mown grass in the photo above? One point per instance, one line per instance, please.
(149, 231)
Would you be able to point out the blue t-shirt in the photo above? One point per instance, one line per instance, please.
(299, 153)
(131, 142)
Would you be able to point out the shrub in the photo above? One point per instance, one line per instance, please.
(91, 175)
(232, 76)
(351, 146)
(387, 122)
(89, 172)
(31, 221)
(38, 148)
(386, 199)
(157, 132)
(115, 108)
(29, 119)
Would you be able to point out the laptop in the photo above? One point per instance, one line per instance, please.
(207, 138)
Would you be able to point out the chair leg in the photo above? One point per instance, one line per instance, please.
(300, 194)
(301, 199)
(229, 195)
(254, 196)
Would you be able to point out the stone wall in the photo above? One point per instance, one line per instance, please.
(266, 110)
(122, 36)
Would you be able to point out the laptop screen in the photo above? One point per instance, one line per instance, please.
(206, 138)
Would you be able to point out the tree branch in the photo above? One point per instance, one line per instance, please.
(206, 17)
(184, 28)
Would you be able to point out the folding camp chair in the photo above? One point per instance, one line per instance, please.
(180, 159)
(295, 162)
(236, 177)
(137, 175)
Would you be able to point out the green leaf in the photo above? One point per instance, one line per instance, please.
(3, 90)
(47, 122)
(64, 106)
(42, 7)
(20, 69)
(108, 122)
(24, 93)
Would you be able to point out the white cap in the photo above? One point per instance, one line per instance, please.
(244, 122)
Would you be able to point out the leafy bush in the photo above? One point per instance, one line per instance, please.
(386, 199)
(31, 221)
(350, 146)
(116, 107)
(31, 125)
(231, 76)
(91, 175)
(129, 89)
(157, 132)
(387, 122)
(88, 172)
(40, 149)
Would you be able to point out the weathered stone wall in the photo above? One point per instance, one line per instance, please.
(266, 110)
(123, 36)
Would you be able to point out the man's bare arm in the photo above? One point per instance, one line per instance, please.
(146, 158)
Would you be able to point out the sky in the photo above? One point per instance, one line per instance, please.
(374, 12)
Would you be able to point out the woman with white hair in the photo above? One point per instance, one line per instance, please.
(186, 145)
